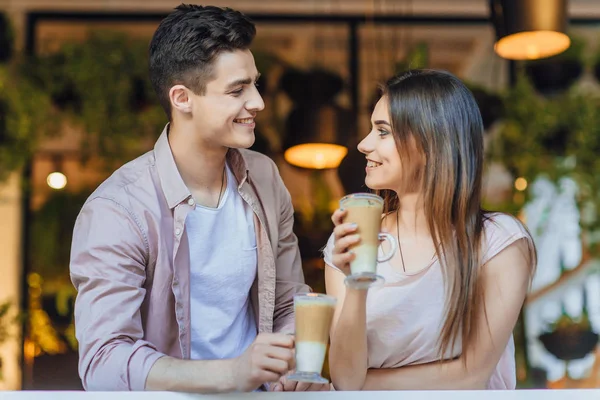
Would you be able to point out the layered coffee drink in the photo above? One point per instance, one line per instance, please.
(365, 210)
(313, 314)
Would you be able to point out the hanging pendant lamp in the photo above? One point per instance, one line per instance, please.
(530, 29)
(317, 128)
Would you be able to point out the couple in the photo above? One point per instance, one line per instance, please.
(186, 264)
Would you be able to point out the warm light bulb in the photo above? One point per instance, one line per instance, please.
(532, 45)
(520, 184)
(56, 180)
(533, 52)
(316, 155)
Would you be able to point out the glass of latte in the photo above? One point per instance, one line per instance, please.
(365, 210)
(313, 313)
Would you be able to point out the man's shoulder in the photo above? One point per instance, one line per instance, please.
(126, 182)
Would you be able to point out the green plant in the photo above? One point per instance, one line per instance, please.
(23, 112)
(24, 109)
(101, 84)
(556, 137)
(528, 122)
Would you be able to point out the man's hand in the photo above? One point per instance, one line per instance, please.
(267, 359)
(285, 385)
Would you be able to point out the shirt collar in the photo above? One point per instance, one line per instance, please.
(173, 187)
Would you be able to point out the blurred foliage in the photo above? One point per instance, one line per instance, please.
(99, 85)
(102, 85)
(24, 119)
(24, 109)
(556, 137)
(42, 331)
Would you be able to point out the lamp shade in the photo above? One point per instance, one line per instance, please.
(317, 129)
(530, 29)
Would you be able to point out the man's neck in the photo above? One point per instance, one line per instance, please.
(201, 167)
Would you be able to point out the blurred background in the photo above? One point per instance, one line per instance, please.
(75, 104)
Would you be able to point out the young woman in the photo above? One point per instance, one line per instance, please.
(455, 286)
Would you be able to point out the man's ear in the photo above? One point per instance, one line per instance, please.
(180, 99)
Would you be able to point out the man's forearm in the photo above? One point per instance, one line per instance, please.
(194, 376)
(450, 375)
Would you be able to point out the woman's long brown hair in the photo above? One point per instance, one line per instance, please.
(434, 112)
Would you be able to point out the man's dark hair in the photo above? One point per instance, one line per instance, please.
(186, 43)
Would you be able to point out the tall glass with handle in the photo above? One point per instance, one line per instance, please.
(365, 210)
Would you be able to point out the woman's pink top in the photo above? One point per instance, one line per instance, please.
(405, 316)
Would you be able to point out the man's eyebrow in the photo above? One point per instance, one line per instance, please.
(240, 82)
(382, 122)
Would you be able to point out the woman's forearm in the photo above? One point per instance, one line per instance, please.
(348, 352)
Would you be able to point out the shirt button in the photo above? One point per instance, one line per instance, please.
(177, 231)
(191, 201)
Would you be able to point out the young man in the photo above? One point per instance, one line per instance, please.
(184, 259)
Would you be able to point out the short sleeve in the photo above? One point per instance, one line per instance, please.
(328, 252)
(502, 230)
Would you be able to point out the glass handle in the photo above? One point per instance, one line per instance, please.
(393, 243)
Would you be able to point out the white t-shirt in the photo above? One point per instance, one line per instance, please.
(223, 261)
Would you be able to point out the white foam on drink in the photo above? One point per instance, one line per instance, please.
(365, 260)
(310, 356)
(359, 201)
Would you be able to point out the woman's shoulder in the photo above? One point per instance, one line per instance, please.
(500, 230)
(502, 223)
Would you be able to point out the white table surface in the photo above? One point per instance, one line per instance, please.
(580, 394)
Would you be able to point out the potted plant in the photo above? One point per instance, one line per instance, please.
(570, 339)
